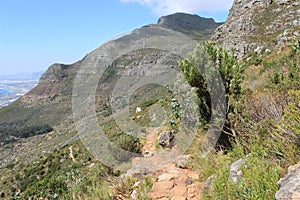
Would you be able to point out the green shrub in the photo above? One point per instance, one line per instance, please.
(259, 181)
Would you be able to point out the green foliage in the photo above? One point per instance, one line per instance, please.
(144, 188)
(129, 183)
(199, 68)
(148, 103)
(217, 76)
(228, 66)
(57, 176)
(283, 71)
(254, 59)
(192, 73)
(260, 175)
(25, 131)
(291, 117)
(21, 121)
(260, 182)
(129, 143)
(175, 106)
(294, 48)
(92, 187)
(109, 73)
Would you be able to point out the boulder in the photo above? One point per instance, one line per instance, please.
(208, 184)
(165, 138)
(235, 173)
(289, 185)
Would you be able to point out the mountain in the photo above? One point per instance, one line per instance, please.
(49, 104)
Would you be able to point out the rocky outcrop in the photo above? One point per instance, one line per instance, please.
(241, 6)
(259, 24)
(289, 185)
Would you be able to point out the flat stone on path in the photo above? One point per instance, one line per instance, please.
(162, 186)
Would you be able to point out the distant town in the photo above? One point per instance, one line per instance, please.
(14, 86)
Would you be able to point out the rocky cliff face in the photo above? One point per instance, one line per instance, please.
(255, 25)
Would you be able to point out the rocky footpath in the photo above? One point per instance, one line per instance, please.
(174, 183)
(172, 180)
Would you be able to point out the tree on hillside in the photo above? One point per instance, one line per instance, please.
(205, 69)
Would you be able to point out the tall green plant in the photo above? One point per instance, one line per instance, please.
(200, 70)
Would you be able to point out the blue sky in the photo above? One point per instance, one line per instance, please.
(37, 33)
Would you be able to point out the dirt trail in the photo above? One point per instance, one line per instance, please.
(172, 183)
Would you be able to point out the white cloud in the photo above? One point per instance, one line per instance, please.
(163, 7)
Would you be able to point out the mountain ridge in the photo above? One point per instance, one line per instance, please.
(192, 25)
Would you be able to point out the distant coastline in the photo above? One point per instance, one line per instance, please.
(13, 87)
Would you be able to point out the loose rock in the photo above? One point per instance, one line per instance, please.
(236, 173)
(182, 161)
(165, 138)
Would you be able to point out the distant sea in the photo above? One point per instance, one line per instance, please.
(2, 91)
